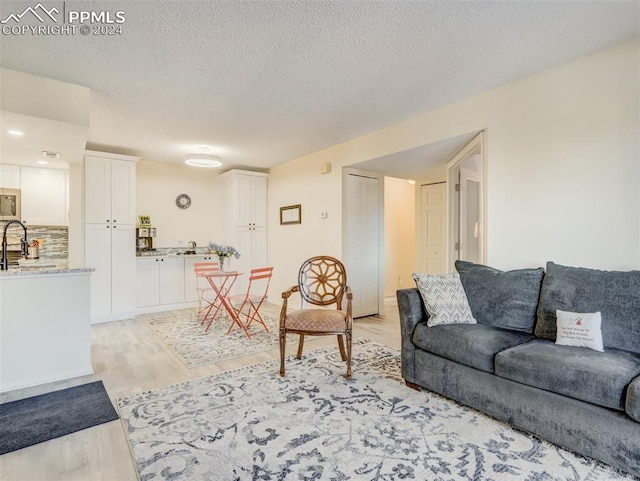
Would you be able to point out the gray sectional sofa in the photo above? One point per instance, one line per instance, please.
(509, 366)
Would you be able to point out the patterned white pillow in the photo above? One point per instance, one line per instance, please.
(444, 299)
(581, 330)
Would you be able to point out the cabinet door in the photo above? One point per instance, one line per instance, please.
(44, 196)
(147, 282)
(123, 188)
(9, 176)
(97, 190)
(97, 253)
(171, 280)
(244, 199)
(259, 201)
(123, 269)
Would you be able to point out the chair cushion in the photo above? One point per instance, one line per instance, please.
(502, 299)
(321, 320)
(633, 399)
(473, 345)
(599, 378)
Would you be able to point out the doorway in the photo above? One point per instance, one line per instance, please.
(466, 215)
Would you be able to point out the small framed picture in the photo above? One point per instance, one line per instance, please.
(144, 221)
(291, 214)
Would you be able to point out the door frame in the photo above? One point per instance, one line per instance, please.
(346, 171)
(453, 176)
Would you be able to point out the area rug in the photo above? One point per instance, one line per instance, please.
(184, 335)
(313, 424)
(36, 419)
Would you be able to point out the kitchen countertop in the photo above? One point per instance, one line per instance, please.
(31, 270)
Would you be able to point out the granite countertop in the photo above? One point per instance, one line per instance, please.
(43, 267)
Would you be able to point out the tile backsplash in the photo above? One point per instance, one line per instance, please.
(55, 239)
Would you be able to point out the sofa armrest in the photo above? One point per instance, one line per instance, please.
(412, 312)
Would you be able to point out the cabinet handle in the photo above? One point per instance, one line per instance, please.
(107, 227)
(108, 220)
(115, 220)
(115, 226)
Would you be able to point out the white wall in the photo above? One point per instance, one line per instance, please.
(563, 176)
(157, 186)
(399, 234)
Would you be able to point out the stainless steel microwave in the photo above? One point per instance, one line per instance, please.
(10, 204)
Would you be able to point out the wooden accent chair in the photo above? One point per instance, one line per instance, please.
(322, 281)
(249, 303)
(206, 296)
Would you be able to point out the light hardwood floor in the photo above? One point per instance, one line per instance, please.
(128, 358)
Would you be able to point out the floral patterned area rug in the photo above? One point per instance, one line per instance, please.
(313, 424)
(184, 335)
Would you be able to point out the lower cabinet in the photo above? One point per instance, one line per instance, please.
(160, 280)
(163, 281)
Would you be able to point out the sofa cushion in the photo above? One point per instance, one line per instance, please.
(444, 299)
(599, 378)
(502, 299)
(472, 345)
(615, 294)
(633, 399)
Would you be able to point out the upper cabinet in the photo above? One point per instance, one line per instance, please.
(44, 196)
(246, 193)
(9, 176)
(109, 190)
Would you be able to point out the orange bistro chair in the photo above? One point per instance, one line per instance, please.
(206, 295)
(248, 304)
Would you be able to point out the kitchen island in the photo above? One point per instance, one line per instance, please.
(44, 325)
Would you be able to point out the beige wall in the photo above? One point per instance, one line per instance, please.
(563, 174)
(158, 184)
(399, 234)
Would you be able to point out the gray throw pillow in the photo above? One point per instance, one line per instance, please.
(504, 299)
(615, 294)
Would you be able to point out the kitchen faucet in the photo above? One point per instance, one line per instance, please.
(4, 263)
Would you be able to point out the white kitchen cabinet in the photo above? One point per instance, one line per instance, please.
(44, 196)
(190, 293)
(109, 250)
(147, 282)
(246, 221)
(9, 176)
(171, 280)
(160, 281)
(109, 193)
(110, 190)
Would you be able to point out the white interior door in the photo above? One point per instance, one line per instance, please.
(433, 226)
(363, 242)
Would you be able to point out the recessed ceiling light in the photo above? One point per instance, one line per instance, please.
(43, 162)
(203, 160)
(17, 133)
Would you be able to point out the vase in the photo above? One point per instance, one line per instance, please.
(223, 268)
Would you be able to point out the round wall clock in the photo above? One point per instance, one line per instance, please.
(183, 201)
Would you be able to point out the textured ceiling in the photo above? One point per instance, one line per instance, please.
(263, 82)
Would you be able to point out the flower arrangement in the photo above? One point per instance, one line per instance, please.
(223, 251)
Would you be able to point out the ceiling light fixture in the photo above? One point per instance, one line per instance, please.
(17, 133)
(43, 162)
(203, 160)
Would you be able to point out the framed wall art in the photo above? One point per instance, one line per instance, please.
(291, 214)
